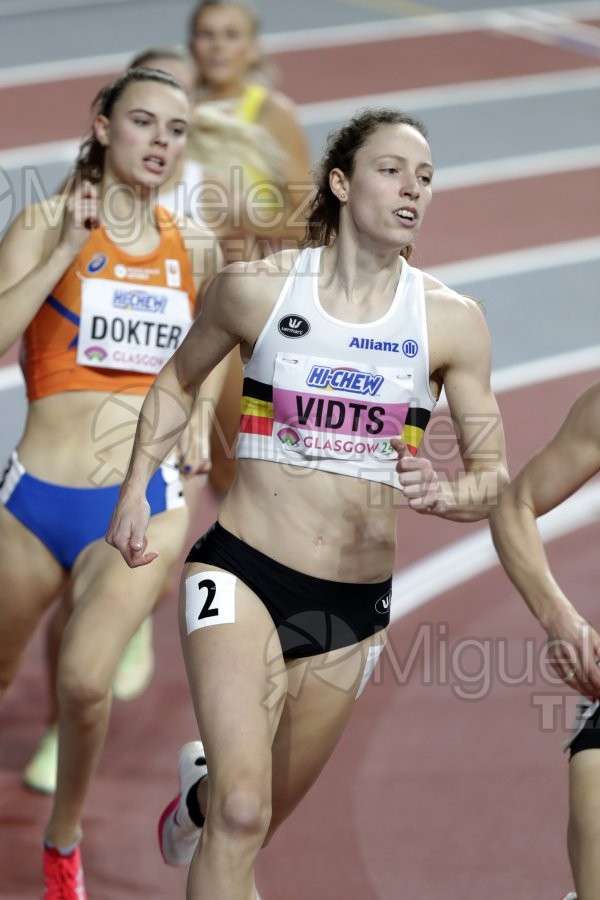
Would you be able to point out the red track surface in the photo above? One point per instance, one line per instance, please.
(60, 109)
(428, 795)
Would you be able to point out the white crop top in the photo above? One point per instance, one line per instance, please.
(327, 394)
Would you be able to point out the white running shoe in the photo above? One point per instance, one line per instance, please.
(178, 836)
(571, 896)
(136, 666)
(40, 772)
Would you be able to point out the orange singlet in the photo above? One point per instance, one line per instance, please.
(112, 315)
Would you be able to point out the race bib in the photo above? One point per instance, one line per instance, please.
(334, 409)
(130, 328)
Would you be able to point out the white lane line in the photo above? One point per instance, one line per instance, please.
(512, 168)
(33, 155)
(397, 28)
(29, 7)
(63, 70)
(517, 262)
(555, 31)
(538, 371)
(442, 96)
(468, 557)
(11, 377)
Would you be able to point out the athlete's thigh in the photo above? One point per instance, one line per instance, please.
(110, 600)
(30, 579)
(322, 692)
(584, 821)
(584, 790)
(232, 653)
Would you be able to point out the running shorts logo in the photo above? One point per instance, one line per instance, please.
(383, 604)
(293, 326)
(410, 348)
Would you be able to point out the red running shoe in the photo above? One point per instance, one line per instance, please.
(63, 876)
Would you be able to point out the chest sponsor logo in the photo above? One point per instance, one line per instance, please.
(293, 326)
(173, 273)
(358, 343)
(140, 301)
(350, 380)
(410, 348)
(134, 273)
(97, 263)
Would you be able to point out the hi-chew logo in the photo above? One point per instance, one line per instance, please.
(96, 263)
(140, 300)
(293, 326)
(350, 380)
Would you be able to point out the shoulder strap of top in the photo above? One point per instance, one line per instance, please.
(169, 228)
(250, 104)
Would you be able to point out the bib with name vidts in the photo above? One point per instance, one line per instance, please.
(328, 409)
(130, 328)
(327, 394)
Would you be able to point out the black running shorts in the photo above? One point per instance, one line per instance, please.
(312, 615)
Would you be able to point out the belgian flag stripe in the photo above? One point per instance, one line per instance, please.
(258, 390)
(418, 417)
(252, 407)
(256, 425)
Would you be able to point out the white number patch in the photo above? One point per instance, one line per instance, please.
(209, 599)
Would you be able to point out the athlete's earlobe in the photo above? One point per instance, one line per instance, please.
(101, 130)
(338, 184)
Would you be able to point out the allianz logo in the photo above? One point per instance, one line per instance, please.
(370, 344)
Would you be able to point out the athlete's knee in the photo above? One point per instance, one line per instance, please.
(80, 689)
(242, 812)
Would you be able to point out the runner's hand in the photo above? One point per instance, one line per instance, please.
(81, 214)
(574, 651)
(418, 479)
(127, 531)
